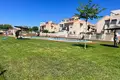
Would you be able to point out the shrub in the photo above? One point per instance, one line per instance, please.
(45, 31)
(53, 32)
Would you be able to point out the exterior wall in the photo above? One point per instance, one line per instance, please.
(76, 26)
(50, 26)
(115, 17)
(56, 29)
(101, 37)
(108, 22)
(101, 23)
(71, 26)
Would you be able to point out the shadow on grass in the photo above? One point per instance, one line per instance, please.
(109, 45)
(82, 45)
(23, 39)
(2, 72)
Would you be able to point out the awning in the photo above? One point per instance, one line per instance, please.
(115, 27)
(24, 28)
(112, 29)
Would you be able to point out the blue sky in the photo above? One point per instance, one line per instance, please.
(32, 12)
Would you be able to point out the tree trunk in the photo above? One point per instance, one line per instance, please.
(85, 34)
(115, 39)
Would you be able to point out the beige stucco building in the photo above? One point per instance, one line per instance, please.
(71, 27)
(75, 26)
(112, 21)
(106, 24)
(50, 26)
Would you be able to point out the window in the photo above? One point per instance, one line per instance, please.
(51, 27)
(74, 32)
(107, 21)
(70, 32)
(61, 25)
(43, 27)
(81, 24)
(70, 26)
(72, 19)
(119, 22)
(114, 21)
(67, 20)
(88, 27)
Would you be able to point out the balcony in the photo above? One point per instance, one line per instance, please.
(114, 26)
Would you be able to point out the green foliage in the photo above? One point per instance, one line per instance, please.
(53, 32)
(45, 31)
(5, 26)
(1, 26)
(89, 11)
(30, 29)
(35, 28)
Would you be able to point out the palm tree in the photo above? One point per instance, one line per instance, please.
(89, 11)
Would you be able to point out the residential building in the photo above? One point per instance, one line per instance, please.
(106, 24)
(112, 21)
(71, 28)
(75, 26)
(50, 26)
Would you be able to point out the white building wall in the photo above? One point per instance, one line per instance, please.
(50, 26)
(77, 28)
(100, 24)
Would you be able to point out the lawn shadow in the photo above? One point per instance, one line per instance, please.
(109, 45)
(82, 45)
(23, 38)
(2, 72)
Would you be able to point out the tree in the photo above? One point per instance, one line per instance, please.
(5, 26)
(45, 31)
(30, 29)
(89, 11)
(35, 28)
(1, 26)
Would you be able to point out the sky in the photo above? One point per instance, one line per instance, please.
(32, 12)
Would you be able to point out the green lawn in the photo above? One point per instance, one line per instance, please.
(49, 60)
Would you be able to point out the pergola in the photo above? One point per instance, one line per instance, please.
(21, 28)
(114, 28)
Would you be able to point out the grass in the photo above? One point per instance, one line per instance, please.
(49, 60)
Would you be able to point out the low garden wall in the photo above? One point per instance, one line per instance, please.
(103, 37)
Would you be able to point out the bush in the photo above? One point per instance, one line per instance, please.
(45, 31)
(53, 32)
(35, 28)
